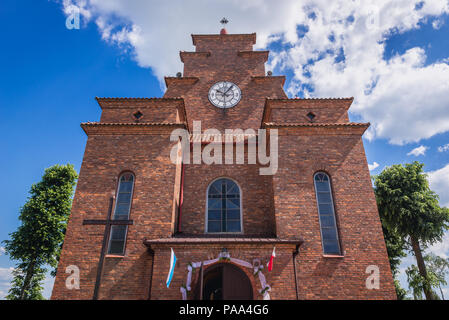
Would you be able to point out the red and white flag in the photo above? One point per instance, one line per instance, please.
(270, 264)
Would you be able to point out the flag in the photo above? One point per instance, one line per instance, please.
(270, 264)
(172, 267)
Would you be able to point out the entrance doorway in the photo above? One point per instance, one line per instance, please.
(225, 281)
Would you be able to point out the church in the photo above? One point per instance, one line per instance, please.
(146, 226)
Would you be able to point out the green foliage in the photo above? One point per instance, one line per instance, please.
(418, 283)
(410, 210)
(401, 293)
(38, 240)
(34, 289)
(439, 267)
(395, 248)
(407, 204)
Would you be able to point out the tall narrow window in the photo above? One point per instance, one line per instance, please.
(329, 234)
(223, 206)
(117, 237)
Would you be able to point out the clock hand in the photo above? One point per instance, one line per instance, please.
(230, 87)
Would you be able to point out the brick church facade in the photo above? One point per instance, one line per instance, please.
(133, 204)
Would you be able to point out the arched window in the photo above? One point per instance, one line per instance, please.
(223, 206)
(117, 237)
(329, 234)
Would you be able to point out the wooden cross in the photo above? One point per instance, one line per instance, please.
(108, 223)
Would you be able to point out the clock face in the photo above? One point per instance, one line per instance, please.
(224, 94)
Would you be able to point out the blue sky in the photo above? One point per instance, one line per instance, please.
(50, 75)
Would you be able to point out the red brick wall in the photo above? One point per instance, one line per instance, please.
(361, 237)
(147, 156)
(126, 115)
(258, 216)
(299, 115)
(281, 279)
(284, 204)
(152, 110)
(226, 65)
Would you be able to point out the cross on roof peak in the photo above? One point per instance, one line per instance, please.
(224, 21)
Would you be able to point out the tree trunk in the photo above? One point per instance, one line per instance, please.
(27, 280)
(421, 267)
(442, 295)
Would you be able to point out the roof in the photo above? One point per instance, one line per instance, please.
(150, 102)
(250, 37)
(281, 79)
(249, 54)
(220, 240)
(349, 128)
(296, 99)
(111, 99)
(184, 54)
(101, 128)
(333, 125)
(139, 124)
(185, 80)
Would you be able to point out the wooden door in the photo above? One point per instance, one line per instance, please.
(236, 285)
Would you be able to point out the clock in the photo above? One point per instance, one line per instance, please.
(224, 94)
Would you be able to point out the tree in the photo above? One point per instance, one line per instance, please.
(439, 267)
(418, 283)
(396, 250)
(34, 289)
(401, 293)
(38, 240)
(408, 206)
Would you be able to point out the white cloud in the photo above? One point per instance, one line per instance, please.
(439, 182)
(419, 151)
(373, 166)
(47, 286)
(5, 279)
(443, 148)
(437, 24)
(404, 98)
(2, 250)
(441, 248)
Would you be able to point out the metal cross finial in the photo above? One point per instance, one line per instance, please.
(224, 21)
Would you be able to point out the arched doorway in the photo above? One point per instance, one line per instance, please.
(225, 281)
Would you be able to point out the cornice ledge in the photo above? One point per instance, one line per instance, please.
(325, 128)
(268, 78)
(119, 102)
(184, 80)
(113, 128)
(184, 54)
(236, 36)
(250, 54)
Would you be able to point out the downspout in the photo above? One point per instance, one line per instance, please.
(151, 252)
(295, 253)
